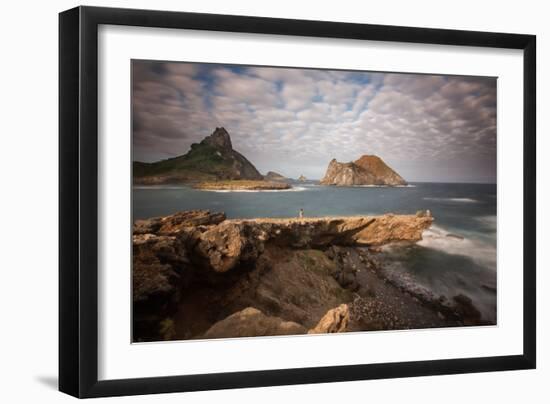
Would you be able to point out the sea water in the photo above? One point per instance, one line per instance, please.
(456, 256)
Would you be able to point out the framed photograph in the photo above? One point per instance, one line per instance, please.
(251, 201)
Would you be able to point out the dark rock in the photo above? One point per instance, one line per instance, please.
(466, 310)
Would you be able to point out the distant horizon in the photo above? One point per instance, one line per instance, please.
(428, 128)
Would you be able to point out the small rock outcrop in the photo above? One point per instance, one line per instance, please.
(273, 176)
(367, 170)
(215, 267)
(336, 320)
(251, 321)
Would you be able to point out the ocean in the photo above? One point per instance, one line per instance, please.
(456, 256)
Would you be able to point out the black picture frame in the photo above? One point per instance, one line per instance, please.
(78, 200)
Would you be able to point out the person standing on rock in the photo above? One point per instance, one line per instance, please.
(301, 213)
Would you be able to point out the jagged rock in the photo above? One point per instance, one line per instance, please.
(221, 244)
(158, 265)
(336, 320)
(347, 260)
(160, 269)
(367, 170)
(252, 322)
(212, 159)
(224, 246)
(217, 266)
(232, 241)
(219, 138)
(173, 224)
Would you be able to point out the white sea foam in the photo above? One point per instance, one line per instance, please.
(489, 222)
(440, 239)
(464, 200)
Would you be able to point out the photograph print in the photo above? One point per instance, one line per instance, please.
(270, 201)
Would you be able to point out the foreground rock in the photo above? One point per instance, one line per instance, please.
(194, 269)
(232, 241)
(220, 245)
(368, 170)
(336, 320)
(242, 185)
(251, 321)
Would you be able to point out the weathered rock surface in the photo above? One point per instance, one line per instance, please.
(158, 264)
(196, 268)
(222, 244)
(252, 322)
(160, 271)
(368, 170)
(294, 285)
(173, 224)
(336, 320)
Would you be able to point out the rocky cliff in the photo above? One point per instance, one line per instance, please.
(367, 170)
(210, 160)
(195, 269)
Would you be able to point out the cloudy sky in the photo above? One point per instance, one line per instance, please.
(294, 121)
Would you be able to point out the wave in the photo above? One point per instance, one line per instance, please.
(464, 200)
(438, 238)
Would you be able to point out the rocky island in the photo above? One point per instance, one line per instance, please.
(212, 161)
(197, 274)
(367, 170)
(273, 176)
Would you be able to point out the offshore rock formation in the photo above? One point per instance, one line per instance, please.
(212, 159)
(368, 170)
(194, 269)
(273, 176)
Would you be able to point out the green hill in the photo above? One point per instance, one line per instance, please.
(212, 159)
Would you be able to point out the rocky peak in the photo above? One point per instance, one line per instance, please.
(219, 138)
(367, 170)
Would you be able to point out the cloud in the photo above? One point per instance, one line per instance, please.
(296, 120)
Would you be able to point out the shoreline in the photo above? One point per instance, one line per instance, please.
(199, 275)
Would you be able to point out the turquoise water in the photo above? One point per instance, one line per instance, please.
(442, 264)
